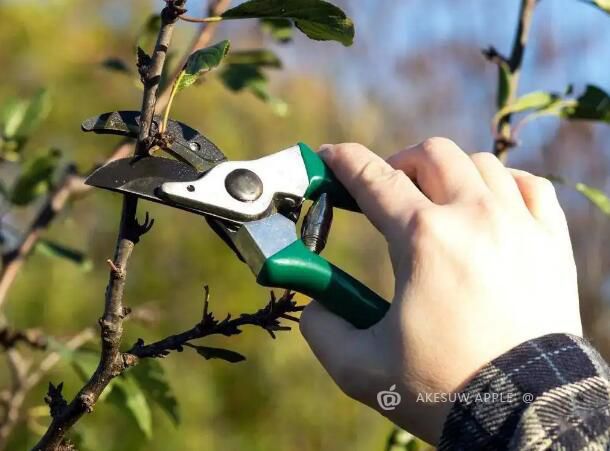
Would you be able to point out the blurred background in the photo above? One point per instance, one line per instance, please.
(415, 71)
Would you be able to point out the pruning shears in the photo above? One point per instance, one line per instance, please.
(252, 205)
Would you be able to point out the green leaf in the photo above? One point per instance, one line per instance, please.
(319, 20)
(258, 57)
(56, 250)
(279, 29)
(238, 77)
(19, 117)
(218, 353)
(201, 62)
(151, 377)
(533, 101)
(595, 196)
(593, 104)
(116, 65)
(37, 110)
(11, 116)
(36, 178)
(147, 36)
(128, 396)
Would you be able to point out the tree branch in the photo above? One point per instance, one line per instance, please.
(130, 231)
(73, 187)
(34, 338)
(24, 381)
(200, 40)
(267, 318)
(503, 141)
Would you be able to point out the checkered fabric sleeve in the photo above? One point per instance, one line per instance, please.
(549, 393)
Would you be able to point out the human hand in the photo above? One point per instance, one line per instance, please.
(482, 262)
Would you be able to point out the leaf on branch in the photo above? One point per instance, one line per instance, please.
(36, 178)
(37, 110)
(151, 377)
(533, 101)
(593, 104)
(11, 116)
(19, 118)
(115, 64)
(56, 250)
(258, 57)
(279, 29)
(319, 20)
(244, 71)
(217, 353)
(128, 396)
(201, 62)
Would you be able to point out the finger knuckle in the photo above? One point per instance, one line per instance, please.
(344, 151)
(544, 186)
(375, 174)
(422, 225)
(484, 158)
(486, 207)
(436, 146)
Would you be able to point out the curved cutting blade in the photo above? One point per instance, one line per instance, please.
(142, 177)
(182, 141)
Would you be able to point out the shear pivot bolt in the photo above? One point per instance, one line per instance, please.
(244, 185)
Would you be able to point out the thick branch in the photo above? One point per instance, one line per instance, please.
(503, 140)
(129, 232)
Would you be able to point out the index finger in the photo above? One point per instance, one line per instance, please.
(385, 195)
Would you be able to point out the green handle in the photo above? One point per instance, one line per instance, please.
(322, 180)
(297, 268)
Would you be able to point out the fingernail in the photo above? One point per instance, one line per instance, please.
(324, 150)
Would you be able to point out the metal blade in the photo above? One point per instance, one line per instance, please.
(142, 177)
(182, 141)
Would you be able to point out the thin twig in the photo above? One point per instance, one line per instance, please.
(10, 337)
(503, 140)
(200, 19)
(267, 318)
(111, 323)
(24, 381)
(72, 187)
(201, 39)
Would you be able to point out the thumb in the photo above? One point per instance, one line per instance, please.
(329, 337)
(352, 357)
(385, 195)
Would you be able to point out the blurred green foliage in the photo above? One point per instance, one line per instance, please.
(279, 398)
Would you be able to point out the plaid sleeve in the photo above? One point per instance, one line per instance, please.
(549, 393)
